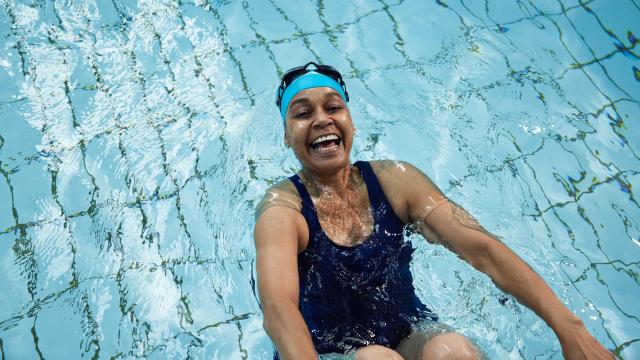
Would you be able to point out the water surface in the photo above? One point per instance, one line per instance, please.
(136, 138)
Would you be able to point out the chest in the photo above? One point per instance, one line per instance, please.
(346, 218)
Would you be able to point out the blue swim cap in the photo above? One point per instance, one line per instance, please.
(309, 80)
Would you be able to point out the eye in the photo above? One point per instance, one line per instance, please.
(302, 114)
(334, 107)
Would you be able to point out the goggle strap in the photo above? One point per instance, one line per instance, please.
(321, 69)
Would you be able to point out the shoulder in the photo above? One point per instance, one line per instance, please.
(395, 172)
(390, 167)
(394, 177)
(406, 187)
(281, 194)
(284, 186)
(279, 221)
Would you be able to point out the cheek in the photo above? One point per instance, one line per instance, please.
(298, 134)
(298, 144)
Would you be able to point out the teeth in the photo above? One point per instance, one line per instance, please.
(325, 138)
(322, 151)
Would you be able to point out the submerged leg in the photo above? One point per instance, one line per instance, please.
(437, 341)
(377, 352)
(449, 346)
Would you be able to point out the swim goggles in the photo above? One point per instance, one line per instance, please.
(303, 77)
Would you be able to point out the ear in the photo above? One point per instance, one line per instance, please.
(286, 139)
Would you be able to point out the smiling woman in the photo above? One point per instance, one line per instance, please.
(137, 137)
(320, 130)
(332, 262)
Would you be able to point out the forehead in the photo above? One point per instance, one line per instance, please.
(315, 94)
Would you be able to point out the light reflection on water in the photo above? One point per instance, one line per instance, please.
(136, 137)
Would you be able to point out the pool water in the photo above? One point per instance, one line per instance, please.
(137, 137)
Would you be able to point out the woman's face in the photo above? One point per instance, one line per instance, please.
(319, 130)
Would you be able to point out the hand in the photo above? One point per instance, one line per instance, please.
(578, 344)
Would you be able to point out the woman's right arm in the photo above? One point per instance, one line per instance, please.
(276, 237)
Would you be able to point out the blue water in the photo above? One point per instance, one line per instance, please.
(136, 138)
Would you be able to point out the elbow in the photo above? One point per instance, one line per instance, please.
(268, 318)
(273, 314)
(270, 326)
(266, 325)
(481, 258)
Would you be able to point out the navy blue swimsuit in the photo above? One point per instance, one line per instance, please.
(359, 295)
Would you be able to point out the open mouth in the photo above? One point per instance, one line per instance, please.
(326, 143)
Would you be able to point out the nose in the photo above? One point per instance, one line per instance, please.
(322, 119)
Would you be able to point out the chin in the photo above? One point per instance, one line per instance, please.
(328, 165)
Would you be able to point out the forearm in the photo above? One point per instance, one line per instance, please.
(288, 331)
(457, 230)
(514, 276)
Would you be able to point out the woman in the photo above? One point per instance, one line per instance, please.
(333, 268)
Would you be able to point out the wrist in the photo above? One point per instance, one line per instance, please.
(567, 327)
(559, 318)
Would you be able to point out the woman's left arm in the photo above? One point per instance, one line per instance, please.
(443, 221)
(485, 253)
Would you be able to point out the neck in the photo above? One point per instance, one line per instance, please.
(337, 181)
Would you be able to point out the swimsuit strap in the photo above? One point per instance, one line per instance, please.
(302, 190)
(376, 195)
(374, 190)
(382, 211)
(308, 209)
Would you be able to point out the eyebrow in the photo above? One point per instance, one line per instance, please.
(299, 101)
(333, 94)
